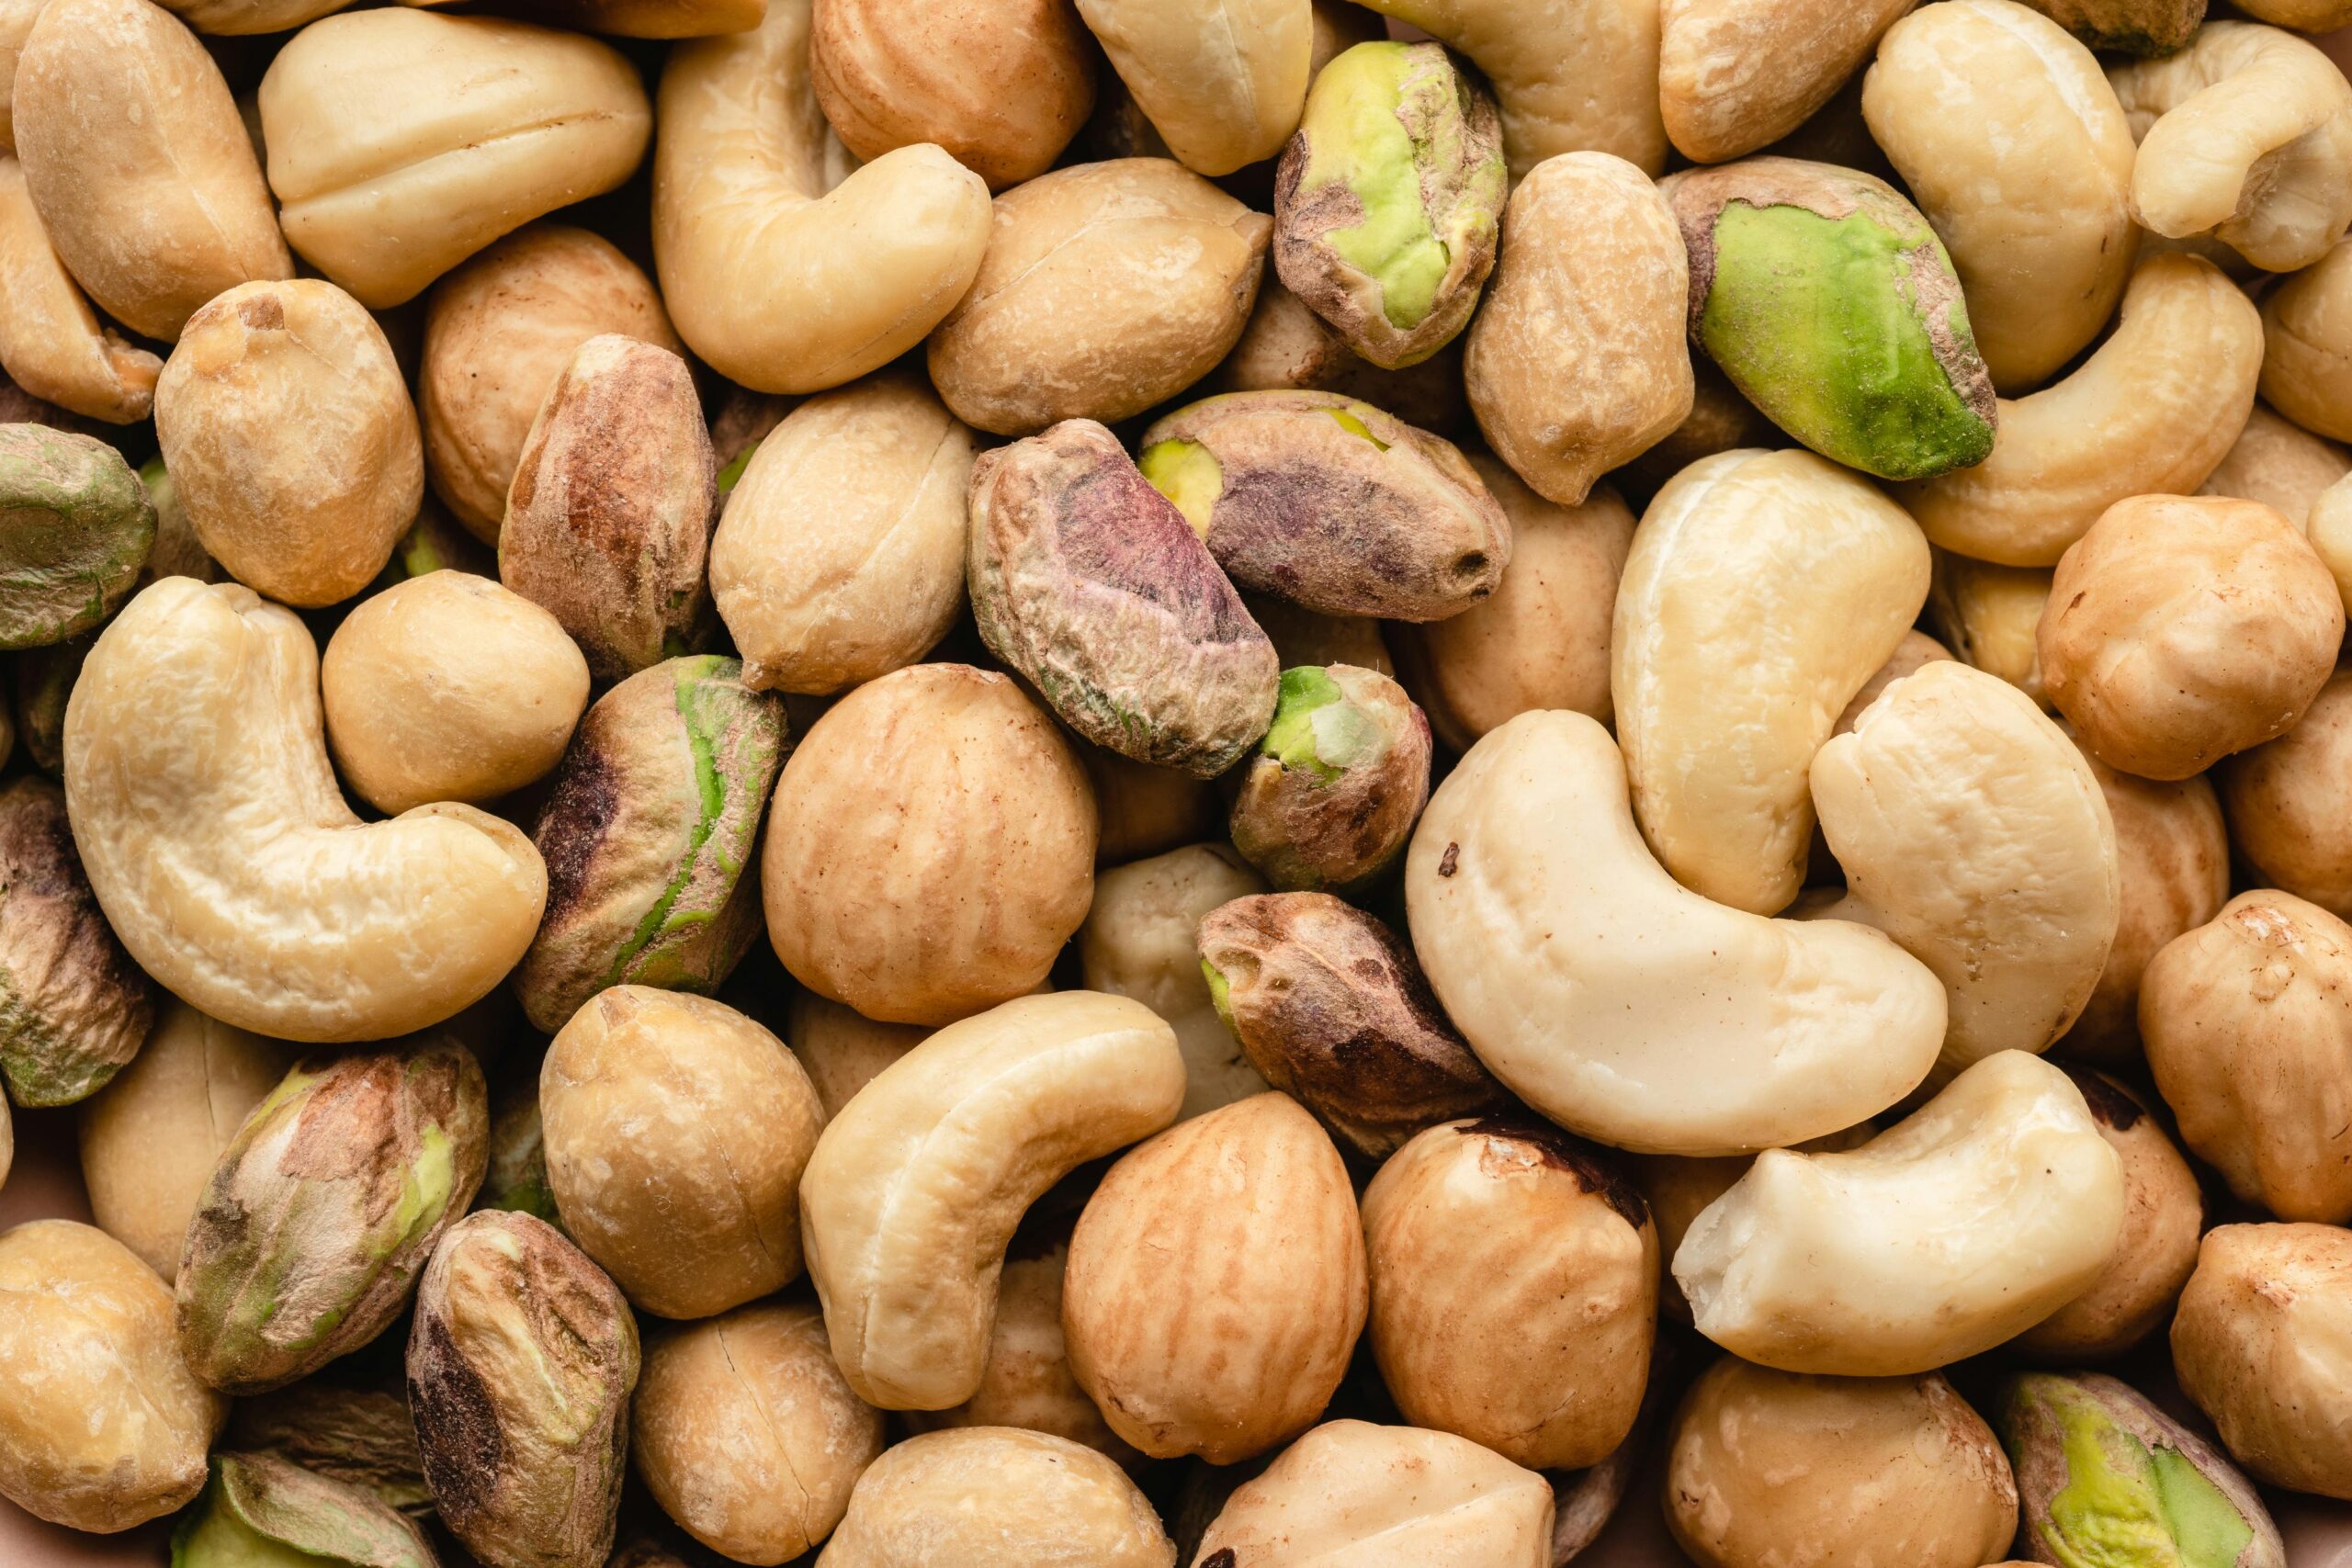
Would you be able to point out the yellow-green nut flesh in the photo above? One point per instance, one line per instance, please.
(1832, 307)
(258, 1511)
(1341, 777)
(648, 833)
(325, 1206)
(1331, 503)
(2105, 1480)
(76, 526)
(520, 1367)
(1088, 581)
(1387, 201)
(74, 1007)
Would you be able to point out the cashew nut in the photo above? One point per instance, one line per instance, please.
(1221, 81)
(778, 278)
(2329, 529)
(1625, 1006)
(2307, 345)
(1991, 617)
(52, 342)
(1737, 75)
(1972, 1220)
(223, 854)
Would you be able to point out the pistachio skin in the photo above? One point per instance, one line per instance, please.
(517, 1174)
(1387, 203)
(648, 834)
(259, 1511)
(77, 525)
(1339, 781)
(361, 1436)
(74, 1007)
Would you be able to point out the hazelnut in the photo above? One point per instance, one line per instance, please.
(2284, 802)
(997, 1498)
(842, 1050)
(2263, 1343)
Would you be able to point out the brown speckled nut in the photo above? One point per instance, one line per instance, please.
(74, 1007)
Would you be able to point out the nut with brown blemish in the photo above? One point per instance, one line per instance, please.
(2284, 802)
(2133, 27)
(1332, 1007)
(2260, 1343)
(1340, 778)
(997, 1498)
(74, 1007)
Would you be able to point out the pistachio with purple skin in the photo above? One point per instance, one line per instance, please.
(74, 1007)
(259, 1511)
(1341, 777)
(1090, 584)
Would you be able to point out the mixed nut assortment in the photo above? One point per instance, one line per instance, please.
(1117, 783)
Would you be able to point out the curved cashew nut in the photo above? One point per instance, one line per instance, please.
(1224, 82)
(1974, 833)
(1994, 1205)
(223, 854)
(777, 279)
(1763, 590)
(2245, 135)
(915, 1187)
(2153, 413)
(1991, 618)
(1625, 1006)
(52, 344)
(1737, 75)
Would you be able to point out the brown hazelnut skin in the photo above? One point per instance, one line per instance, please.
(2263, 1343)
(1514, 1289)
(2284, 801)
(2248, 1021)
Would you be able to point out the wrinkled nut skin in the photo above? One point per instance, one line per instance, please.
(676, 1131)
(1000, 88)
(1331, 796)
(1991, 616)
(608, 522)
(1514, 1290)
(1384, 1497)
(1330, 1006)
(1834, 307)
(2306, 331)
(1287, 348)
(52, 344)
(2281, 802)
(1580, 361)
(1735, 76)
(325, 1206)
(1230, 1334)
(746, 1434)
(648, 833)
(2248, 1021)
(74, 1007)
(138, 163)
(1331, 504)
(362, 1436)
(1387, 202)
(840, 1051)
(1093, 584)
(2260, 1344)
(520, 1366)
(997, 1498)
(260, 1507)
(2180, 630)
(2133, 27)
(2282, 466)
(78, 526)
(1764, 1466)
(1223, 82)
(102, 1425)
(1147, 271)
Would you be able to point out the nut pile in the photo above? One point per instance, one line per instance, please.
(1118, 784)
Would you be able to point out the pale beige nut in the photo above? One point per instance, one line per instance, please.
(17, 18)
(52, 344)
(2307, 345)
(940, 849)
(1734, 75)
(401, 141)
(997, 1498)
(1913, 654)
(1228, 1335)
(781, 268)
(1287, 348)
(2036, 219)
(839, 554)
(841, 1049)
(290, 440)
(1579, 360)
(2304, 15)
(1221, 81)
(2280, 463)
(1992, 617)
(1107, 287)
(138, 163)
(2153, 411)
(1720, 420)
(2329, 528)
(2263, 1343)
(1681, 1186)
(2284, 802)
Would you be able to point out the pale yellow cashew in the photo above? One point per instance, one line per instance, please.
(1221, 81)
(52, 342)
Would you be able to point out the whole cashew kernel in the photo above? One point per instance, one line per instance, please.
(52, 342)
(1221, 81)
(1990, 616)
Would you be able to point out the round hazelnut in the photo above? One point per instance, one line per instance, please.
(1145, 811)
(2263, 1343)
(2284, 801)
(997, 1498)
(842, 1050)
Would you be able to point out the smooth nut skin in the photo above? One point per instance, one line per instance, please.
(1229, 1334)
(2329, 528)
(1580, 361)
(1330, 1006)
(52, 344)
(325, 1207)
(1991, 617)
(913, 1192)
(259, 1506)
(996, 1497)
(1384, 1497)
(676, 1132)
(1223, 82)
(840, 1051)
(364, 112)
(1145, 271)
(1679, 1187)
(1764, 1467)
(1287, 348)
(102, 1425)
(937, 847)
(498, 330)
(839, 554)
(649, 831)
(1330, 505)
(520, 1365)
(290, 439)
(138, 163)
(17, 18)
(1001, 89)
(1343, 773)
(1735, 76)
(1514, 1290)
(78, 526)
(1092, 583)
(1541, 640)
(225, 859)
(746, 1434)
(2283, 802)
(1145, 809)
(2036, 220)
(2133, 27)
(2248, 1021)
(2260, 1344)
(2180, 630)
(448, 687)
(2306, 329)
(73, 1009)
(2281, 465)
